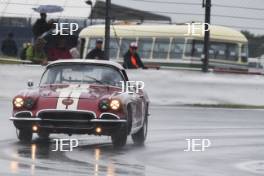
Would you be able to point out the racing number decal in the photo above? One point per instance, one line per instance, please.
(62, 96)
(72, 92)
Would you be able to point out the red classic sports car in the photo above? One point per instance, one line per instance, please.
(82, 97)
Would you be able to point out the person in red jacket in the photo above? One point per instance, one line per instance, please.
(59, 52)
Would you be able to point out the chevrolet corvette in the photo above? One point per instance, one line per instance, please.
(82, 97)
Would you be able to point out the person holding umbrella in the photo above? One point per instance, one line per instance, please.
(40, 26)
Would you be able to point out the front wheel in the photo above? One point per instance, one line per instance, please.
(140, 136)
(24, 135)
(119, 138)
(43, 136)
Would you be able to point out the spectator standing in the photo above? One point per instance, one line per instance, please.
(41, 26)
(36, 53)
(9, 46)
(132, 59)
(97, 52)
(60, 51)
(75, 51)
(23, 54)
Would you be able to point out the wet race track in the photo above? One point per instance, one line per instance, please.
(236, 138)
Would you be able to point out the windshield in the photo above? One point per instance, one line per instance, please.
(82, 74)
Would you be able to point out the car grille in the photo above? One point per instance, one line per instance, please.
(108, 117)
(66, 115)
(23, 114)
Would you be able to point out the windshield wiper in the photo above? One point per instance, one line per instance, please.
(96, 80)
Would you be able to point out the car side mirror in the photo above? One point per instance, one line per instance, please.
(30, 83)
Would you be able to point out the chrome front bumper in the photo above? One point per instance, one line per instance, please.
(52, 116)
(71, 125)
(36, 119)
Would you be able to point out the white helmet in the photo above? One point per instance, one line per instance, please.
(133, 45)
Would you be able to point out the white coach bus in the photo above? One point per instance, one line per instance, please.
(168, 45)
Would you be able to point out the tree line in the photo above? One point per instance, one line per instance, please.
(255, 44)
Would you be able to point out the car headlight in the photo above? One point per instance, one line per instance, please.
(115, 104)
(18, 102)
(104, 105)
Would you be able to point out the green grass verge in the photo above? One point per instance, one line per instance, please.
(12, 61)
(9, 62)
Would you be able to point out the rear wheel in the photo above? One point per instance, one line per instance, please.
(140, 136)
(24, 135)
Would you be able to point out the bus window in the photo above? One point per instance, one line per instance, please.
(211, 53)
(161, 48)
(125, 42)
(113, 46)
(217, 50)
(188, 48)
(198, 49)
(145, 47)
(194, 48)
(244, 53)
(232, 52)
(176, 50)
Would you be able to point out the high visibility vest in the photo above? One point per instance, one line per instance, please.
(134, 61)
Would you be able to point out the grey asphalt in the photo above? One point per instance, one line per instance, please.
(236, 138)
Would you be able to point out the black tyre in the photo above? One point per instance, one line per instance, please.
(24, 135)
(140, 136)
(129, 120)
(120, 137)
(43, 135)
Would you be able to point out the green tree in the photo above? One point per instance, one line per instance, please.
(255, 44)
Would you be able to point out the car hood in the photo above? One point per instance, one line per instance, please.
(80, 91)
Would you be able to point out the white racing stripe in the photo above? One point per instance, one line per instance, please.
(75, 96)
(74, 92)
(62, 96)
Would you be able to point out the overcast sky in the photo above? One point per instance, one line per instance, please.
(78, 8)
